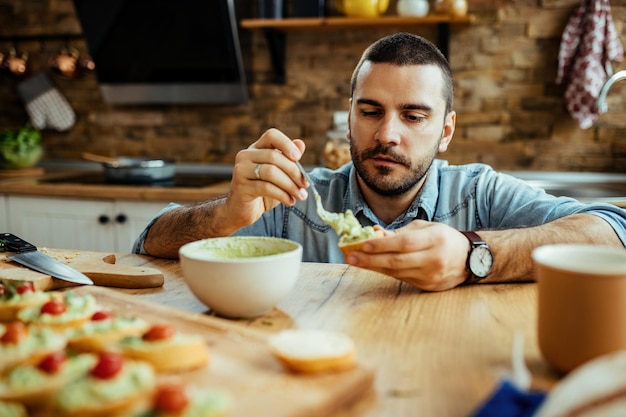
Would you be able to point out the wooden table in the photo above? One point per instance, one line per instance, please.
(434, 354)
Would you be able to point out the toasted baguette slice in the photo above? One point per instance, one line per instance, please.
(200, 401)
(595, 389)
(313, 351)
(79, 310)
(347, 247)
(11, 409)
(180, 353)
(34, 388)
(98, 336)
(36, 344)
(11, 302)
(126, 393)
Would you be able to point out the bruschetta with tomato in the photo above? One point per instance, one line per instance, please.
(175, 400)
(103, 330)
(63, 311)
(20, 344)
(114, 386)
(16, 295)
(34, 385)
(166, 349)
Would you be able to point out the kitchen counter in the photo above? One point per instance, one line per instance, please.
(599, 187)
(66, 180)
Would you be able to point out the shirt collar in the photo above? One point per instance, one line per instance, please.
(422, 207)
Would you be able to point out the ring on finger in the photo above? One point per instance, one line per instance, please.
(257, 171)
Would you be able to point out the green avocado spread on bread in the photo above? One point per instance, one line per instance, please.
(346, 225)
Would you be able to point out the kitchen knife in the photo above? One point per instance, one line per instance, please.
(28, 255)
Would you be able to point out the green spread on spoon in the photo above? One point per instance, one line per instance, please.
(345, 224)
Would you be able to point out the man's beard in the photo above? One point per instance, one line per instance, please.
(380, 181)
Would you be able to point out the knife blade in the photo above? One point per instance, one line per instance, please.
(28, 255)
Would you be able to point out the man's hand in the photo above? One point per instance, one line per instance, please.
(429, 256)
(264, 176)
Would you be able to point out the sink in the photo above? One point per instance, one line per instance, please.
(581, 186)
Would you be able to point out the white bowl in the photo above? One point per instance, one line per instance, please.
(241, 276)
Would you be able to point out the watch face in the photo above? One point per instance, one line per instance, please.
(481, 261)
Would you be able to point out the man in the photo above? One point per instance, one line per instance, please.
(400, 118)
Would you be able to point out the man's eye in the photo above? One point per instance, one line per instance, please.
(415, 118)
(370, 113)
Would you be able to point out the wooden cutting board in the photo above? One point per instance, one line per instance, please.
(241, 363)
(102, 270)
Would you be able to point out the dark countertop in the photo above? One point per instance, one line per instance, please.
(85, 180)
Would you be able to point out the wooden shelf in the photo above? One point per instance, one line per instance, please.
(275, 30)
(350, 22)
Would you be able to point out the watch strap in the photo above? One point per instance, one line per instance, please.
(475, 241)
(474, 238)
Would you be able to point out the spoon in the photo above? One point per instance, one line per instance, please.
(521, 374)
(326, 216)
(342, 223)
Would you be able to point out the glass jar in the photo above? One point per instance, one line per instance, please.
(418, 8)
(451, 7)
(336, 151)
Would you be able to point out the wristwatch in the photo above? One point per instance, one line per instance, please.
(479, 258)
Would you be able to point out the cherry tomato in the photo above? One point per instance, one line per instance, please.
(159, 332)
(26, 287)
(101, 315)
(3, 290)
(109, 364)
(54, 307)
(170, 399)
(52, 362)
(14, 332)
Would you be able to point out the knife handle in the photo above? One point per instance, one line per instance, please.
(12, 243)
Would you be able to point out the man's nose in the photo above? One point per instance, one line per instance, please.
(389, 130)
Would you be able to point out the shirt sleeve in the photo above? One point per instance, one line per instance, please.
(138, 247)
(510, 202)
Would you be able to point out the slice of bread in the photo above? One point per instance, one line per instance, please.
(595, 389)
(11, 409)
(37, 343)
(127, 393)
(11, 301)
(175, 399)
(313, 351)
(33, 387)
(98, 336)
(180, 352)
(79, 310)
(355, 245)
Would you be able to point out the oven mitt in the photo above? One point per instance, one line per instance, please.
(45, 105)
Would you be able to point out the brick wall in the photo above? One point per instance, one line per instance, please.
(510, 111)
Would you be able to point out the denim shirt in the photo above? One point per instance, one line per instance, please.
(465, 197)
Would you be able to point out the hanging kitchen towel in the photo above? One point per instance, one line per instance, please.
(588, 45)
(45, 105)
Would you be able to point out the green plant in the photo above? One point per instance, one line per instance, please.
(20, 148)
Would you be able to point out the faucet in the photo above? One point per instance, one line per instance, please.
(601, 103)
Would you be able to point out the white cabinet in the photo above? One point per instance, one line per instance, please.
(4, 222)
(83, 224)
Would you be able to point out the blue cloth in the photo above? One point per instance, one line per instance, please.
(466, 197)
(508, 401)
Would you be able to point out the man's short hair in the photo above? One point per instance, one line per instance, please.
(408, 49)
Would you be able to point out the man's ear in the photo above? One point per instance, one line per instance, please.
(348, 134)
(448, 131)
